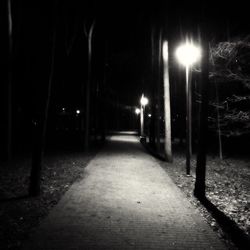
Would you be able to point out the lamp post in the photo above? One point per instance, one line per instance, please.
(137, 112)
(188, 54)
(144, 102)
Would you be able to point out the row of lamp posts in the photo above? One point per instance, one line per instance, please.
(187, 54)
(141, 111)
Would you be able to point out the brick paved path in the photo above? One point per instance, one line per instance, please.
(125, 201)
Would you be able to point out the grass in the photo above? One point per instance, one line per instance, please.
(227, 187)
(19, 214)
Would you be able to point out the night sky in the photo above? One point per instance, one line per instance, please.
(121, 47)
(128, 28)
(124, 32)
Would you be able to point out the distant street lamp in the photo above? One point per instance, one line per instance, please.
(188, 54)
(137, 111)
(144, 102)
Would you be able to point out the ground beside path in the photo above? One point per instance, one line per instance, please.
(124, 201)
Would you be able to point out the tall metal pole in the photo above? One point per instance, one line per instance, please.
(142, 121)
(188, 120)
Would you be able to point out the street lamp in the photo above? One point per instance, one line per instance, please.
(188, 54)
(144, 102)
(137, 111)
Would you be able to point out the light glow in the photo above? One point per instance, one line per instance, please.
(137, 111)
(144, 100)
(78, 111)
(165, 51)
(187, 54)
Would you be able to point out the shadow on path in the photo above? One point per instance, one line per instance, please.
(238, 236)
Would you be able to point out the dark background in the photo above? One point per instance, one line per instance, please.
(121, 57)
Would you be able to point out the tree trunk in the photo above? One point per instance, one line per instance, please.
(39, 131)
(200, 184)
(218, 122)
(152, 77)
(158, 94)
(167, 109)
(88, 84)
(9, 88)
(103, 109)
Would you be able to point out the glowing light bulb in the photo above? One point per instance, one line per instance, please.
(187, 54)
(137, 111)
(144, 100)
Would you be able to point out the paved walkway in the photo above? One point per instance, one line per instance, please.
(125, 201)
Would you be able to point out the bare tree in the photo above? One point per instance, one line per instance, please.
(230, 61)
(9, 89)
(158, 87)
(40, 127)
(152, 74)
(89, 35)
(167, 108)
(200, 184)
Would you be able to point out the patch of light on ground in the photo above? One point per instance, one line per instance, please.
(124, 138)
